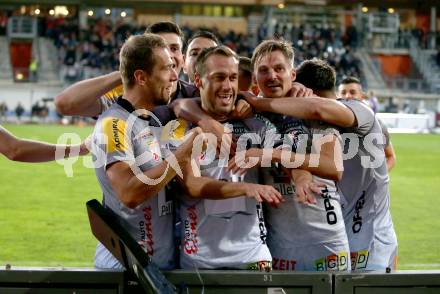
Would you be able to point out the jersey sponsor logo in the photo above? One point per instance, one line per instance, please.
(334, 262)
(287, 190)
(357, 218)
(114, 129)
(174, 130)
(146, 231)
(190, 239)
(263, 265)
(329, 208)
(282, 182)
(165, 203)
(359, 259)
(261, 226)
(283, 264)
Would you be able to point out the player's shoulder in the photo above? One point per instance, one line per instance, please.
(115, 111)
(114, 93)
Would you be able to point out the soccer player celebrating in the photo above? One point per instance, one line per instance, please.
(365, 182)
(132, 152)
(301, 236)
(218, 232)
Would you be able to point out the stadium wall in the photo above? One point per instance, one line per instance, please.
(26, 94)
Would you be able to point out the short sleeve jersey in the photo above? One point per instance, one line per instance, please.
(292, 223)
(121, 137)
(365, 182)
(226, 233)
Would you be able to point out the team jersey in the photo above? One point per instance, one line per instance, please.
(385, 132)
(184, 90)
(133, 140)
(226, 233)
(294, 227)
(366, 197)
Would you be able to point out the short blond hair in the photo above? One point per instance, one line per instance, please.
(138, 53)
(269, 46)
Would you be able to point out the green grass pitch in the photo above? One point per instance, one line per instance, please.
(43, 220)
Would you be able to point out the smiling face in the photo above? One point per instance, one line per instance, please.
(218, 84)
(274, 74)
(162, 76)
(193, 51)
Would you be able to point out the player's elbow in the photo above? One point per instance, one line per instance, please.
(332, 171)
(191, 188)
(13, 152)
(130, 201)
(62, 104)
(338, 176)
(333, 175)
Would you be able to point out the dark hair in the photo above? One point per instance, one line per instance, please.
(245, 64)
(165, 27)
(269, 46)
(202, 34)
(316, 74)
(350, 80)
(138, 53)
(219, 50)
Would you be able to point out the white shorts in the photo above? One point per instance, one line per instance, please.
(322, 257)
(381, 256)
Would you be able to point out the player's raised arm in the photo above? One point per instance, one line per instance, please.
(18, 149)
(83, 98)
(313, 108)
(327, 163)
(209, 188)
(190, 110)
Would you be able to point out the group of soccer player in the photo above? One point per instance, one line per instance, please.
(172, 157)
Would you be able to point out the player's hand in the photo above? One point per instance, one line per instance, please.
(306, 189)
(299, 90)
(236, 164)
(184, 151)
(242, 110)
(250, 98)
(85, 146)
(225, 138)
(262, 193)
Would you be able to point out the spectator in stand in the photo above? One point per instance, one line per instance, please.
(3, 111)
(19, 110)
